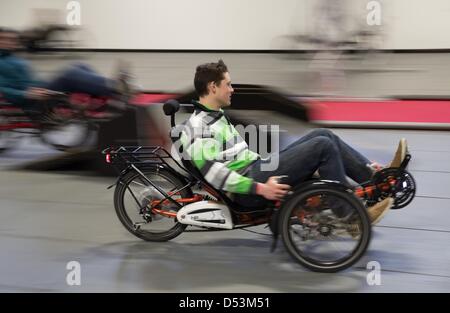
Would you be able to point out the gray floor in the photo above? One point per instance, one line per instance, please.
(51, 218)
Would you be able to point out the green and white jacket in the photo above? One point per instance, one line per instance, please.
(214, 146)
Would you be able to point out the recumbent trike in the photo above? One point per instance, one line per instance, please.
(157, 196)
(65, 121)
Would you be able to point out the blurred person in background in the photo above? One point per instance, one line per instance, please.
(19, 86)
(330, 21)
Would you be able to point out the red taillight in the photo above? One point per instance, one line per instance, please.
(108, 158)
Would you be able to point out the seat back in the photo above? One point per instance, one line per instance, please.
(171, 107)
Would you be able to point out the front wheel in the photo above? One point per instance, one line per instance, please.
(325, 229)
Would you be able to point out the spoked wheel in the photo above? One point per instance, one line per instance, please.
(135, 201)
(66, 133)
(325, 230)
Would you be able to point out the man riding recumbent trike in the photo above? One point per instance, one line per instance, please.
(218, 183)
(61, 110)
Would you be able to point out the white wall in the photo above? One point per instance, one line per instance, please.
(231, 24)
(416, 24)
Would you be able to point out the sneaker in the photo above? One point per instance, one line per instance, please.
(122, 79)
(122, 70)
(379, 210)
(354, 229)
(400, 154)
(375, 212)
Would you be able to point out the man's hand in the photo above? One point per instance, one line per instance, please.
(272, 190)
(36, 93)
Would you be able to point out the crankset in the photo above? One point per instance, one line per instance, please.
(397, 183)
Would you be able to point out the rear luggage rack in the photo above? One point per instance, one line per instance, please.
(137, 155)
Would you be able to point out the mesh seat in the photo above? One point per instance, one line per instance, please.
(170, 108)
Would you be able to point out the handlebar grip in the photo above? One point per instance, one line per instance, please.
(283, 179)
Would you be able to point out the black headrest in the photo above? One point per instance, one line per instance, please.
(171, 107)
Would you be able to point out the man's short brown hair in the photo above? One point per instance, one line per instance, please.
(206, 73)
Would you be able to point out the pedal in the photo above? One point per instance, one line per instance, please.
(137, 226)
(405, 161)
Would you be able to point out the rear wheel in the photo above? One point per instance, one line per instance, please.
(134, 199)
(325, 230)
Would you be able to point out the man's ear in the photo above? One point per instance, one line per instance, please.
(212, 87)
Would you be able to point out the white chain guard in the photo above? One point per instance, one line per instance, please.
(206, 214)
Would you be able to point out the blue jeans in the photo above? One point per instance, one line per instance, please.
(83, 79)
(77, 78)
(320, 150)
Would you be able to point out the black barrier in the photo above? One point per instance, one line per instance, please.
(256, 97)
(117, 132)
(138, 126)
